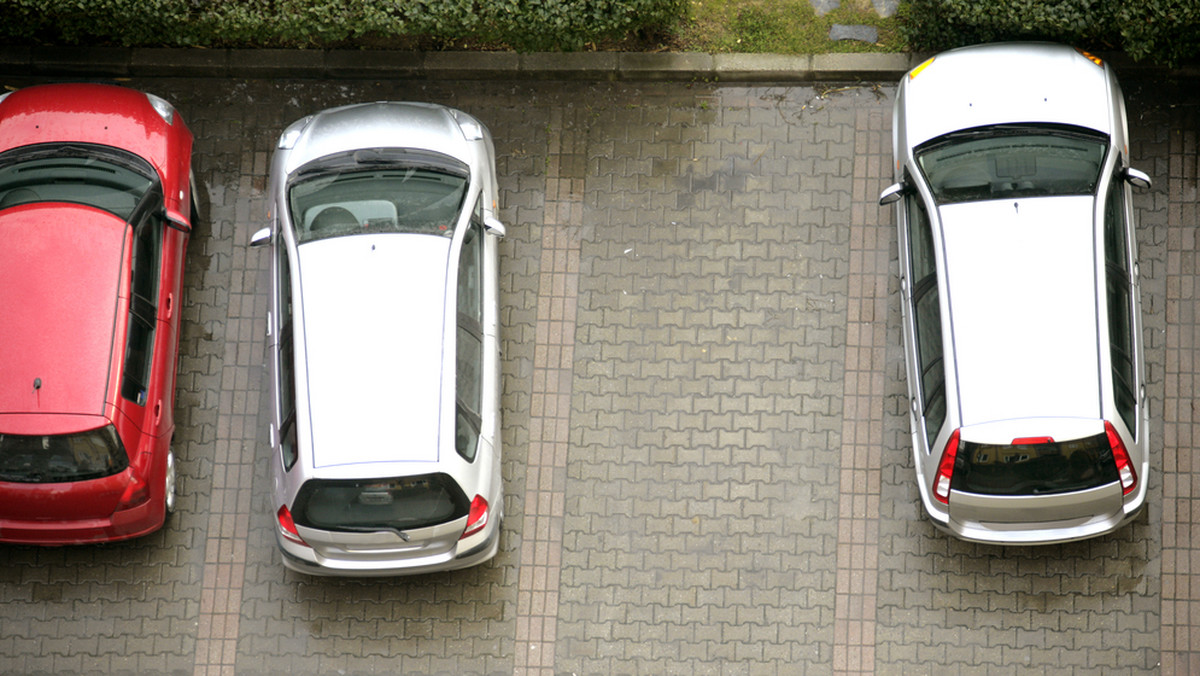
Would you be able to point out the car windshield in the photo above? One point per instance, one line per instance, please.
(1007, 161)
(61, 457)
(373, 193)
(98, 176)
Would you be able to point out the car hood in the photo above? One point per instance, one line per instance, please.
(1004, 83)
(1022, 287)
(59, 280)
(88, 113)
(384, 124)
(374, 314)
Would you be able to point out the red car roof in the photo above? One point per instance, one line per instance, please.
(60, 272)
(88, 113)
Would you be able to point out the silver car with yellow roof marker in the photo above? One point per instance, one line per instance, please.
(383, 347)
(1020, 294)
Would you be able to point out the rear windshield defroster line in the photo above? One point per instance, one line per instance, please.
(399, 504)
(61, 458)
(1034, 468)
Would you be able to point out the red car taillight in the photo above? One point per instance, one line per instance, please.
(945, 470)
(287, 527)
(136, 493)
(477, 519)
(1121, 456)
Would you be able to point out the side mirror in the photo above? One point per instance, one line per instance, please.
(892, 194)
(261, 238)
(1137, 178)
(494, 226)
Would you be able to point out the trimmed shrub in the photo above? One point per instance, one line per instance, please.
(1167, 31)
(518, 24)
(1159, 30)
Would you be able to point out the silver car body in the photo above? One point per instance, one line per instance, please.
(1034, 292)
(370, 323)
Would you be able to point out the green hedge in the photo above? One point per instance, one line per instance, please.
(517, 24)
(1165, 31)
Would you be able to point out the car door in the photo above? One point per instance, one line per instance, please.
(922, 320)
(470, 339)
(170, 307)
(281, 347)
(1122, 296)
(143, 352)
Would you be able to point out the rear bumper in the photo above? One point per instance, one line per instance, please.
(1047, 533)
(305, 560)
(124, 525)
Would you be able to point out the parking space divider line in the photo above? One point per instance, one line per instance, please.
(1180, 650)
(540, 560)
(863, 401)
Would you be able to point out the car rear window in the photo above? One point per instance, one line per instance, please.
(61, 457)
(1011, 161)
(1035, 468)
(402, 503)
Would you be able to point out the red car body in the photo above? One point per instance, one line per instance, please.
(95, 212)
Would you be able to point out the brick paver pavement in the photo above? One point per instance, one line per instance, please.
(704, 433)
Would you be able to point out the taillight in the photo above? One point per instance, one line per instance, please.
(136, 493)
(477, 518)
(1121, 456)
(945, 470)
(287, 527)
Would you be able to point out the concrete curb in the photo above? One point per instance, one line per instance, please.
(118, 62)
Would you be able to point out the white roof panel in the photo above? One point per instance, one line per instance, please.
(1022, 287)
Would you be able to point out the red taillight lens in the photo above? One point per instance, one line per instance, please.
(287, 527)
(941, 483)
(136, 493)
(478, 518)
(1121, 456)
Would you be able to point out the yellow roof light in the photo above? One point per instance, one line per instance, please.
(1091, 57)
(917, 71)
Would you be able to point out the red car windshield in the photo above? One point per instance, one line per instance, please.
(98, 176)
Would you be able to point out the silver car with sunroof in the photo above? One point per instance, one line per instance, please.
(383, 341)
(1020, 294)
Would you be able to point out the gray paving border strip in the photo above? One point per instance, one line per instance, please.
(118, 62)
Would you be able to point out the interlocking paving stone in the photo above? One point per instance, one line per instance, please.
(718, 305)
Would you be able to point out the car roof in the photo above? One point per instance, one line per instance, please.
(1005, 82)
(87, 113)
(375, 315)
(1022, 293)
(59, 282)
(384, 124)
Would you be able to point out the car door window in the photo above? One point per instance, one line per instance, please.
(143, 307)
(469, 351)
(927, 317)
(1118, 283)
(287, 362)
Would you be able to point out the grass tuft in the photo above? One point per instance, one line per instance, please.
(779, 26)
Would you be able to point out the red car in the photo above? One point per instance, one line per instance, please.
(95, 211)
